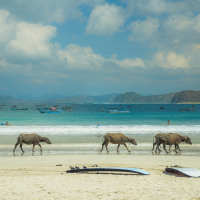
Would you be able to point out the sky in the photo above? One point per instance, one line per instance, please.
(99, 47)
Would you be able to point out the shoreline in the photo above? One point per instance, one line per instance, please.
(30, 177)
(94, 149)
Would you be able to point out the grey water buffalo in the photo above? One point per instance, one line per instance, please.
(169, 139)
(33, 139)
(117, 138)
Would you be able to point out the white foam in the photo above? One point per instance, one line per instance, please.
(73, 130)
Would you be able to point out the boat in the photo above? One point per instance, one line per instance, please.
(50, 111)
(118, 111)
(66, 108)
(187, 109)
(19, 108)
(115, 111)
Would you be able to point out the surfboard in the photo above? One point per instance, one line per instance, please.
(110, 169)
(191, 172)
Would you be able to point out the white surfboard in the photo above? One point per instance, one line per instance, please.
(191, 172)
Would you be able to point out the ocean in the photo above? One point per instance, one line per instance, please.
(80, 130)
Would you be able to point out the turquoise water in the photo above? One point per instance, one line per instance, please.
(79, 126)
(90, 114)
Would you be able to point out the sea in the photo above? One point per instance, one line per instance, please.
(81, 129)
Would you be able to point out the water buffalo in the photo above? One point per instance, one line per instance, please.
(117, 138)
(30, 139)
(169, 139)
(159, 137)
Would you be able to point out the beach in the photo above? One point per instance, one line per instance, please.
(76, 141)
(45, 177)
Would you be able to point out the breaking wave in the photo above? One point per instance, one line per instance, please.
(95, 130)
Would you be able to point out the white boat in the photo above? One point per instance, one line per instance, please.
(118, 111)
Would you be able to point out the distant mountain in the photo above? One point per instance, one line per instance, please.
(87, 99)
(132, 97)
(6, 99)
(186, 96)
(129, 97)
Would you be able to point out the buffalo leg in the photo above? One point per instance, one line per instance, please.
(118, 147)
(40, 147)
(102, 146)
(170, 147)
(106, 147)
(154, 143)
(126, 147)
(21, 148)
(15, 146)
(165, 148)
(33, 148)
(157, 147)
(178, 147)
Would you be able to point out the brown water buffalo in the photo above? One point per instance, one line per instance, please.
(169, 139)
(32, 138)
(117, 138)
(157, 138)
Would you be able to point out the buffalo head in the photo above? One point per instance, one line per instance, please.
(45, 139)
(132, 140)
(187, 140)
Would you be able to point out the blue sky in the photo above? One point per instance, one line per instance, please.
(97, 47)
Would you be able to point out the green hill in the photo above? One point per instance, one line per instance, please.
(186, 97)
(132, 97)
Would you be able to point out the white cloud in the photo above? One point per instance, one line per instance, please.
(7, 26)
(196, 48)
(76, 57)
(144, 30)
(32, 40)
(183, 23)
(159, 7)
(171, 60)
(130, 63)
(105, 20)
(47, 11)
(178, 32)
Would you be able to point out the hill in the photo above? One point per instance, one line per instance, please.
(6, 99)
(132, 97)
(186, 96)
(86, 99)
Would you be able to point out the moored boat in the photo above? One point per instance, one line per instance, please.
(118, 111)
(19, 108)
(50, 111)
(115, 111)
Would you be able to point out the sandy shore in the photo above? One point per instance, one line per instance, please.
(38, 177)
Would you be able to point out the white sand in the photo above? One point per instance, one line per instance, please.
(38, 177)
